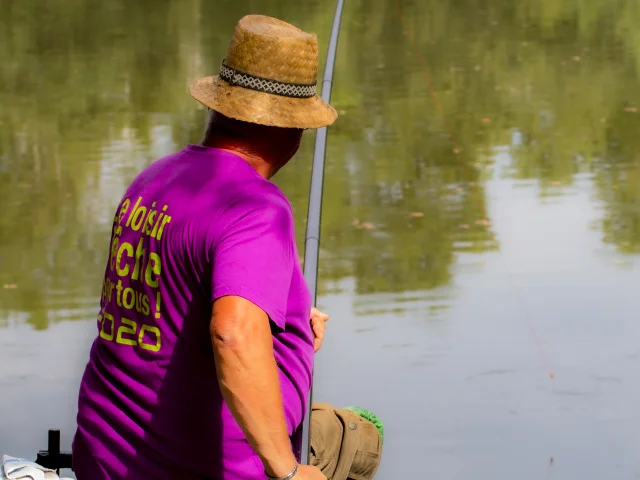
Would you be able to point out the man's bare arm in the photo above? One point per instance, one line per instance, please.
(248, 377)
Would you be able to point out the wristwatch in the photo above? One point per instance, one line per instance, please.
(286, 477)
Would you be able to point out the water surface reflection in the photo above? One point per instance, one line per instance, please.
(457, 273)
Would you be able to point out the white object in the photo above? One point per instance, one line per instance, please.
(20, 469)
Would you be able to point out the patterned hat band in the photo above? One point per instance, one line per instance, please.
(265, 85)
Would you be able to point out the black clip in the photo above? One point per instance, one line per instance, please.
(53, 458)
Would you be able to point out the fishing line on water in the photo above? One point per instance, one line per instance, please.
(459, 155)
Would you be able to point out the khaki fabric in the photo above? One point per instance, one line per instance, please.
(344, 445)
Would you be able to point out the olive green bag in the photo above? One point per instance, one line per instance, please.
(346, 443)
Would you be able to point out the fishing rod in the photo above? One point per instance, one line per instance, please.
(312, 237)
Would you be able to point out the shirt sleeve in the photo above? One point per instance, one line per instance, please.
(253, 259)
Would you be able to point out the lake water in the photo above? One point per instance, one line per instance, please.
(481, 219)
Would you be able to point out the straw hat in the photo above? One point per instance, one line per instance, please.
(268, 77)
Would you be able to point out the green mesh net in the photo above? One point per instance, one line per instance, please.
(372, 417)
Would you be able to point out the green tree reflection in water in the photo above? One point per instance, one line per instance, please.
(93, 91)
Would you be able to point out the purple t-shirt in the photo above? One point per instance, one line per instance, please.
(192, 227)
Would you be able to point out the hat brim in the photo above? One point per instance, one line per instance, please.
(262, 108)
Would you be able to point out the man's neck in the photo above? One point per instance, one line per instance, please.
(263, 168)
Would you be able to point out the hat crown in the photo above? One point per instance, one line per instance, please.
(270, 48)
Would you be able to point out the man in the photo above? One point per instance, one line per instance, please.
(202, 365)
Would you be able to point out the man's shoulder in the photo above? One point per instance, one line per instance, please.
(270, 191)
(222, 185)
(155, 171)
(263, 200)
